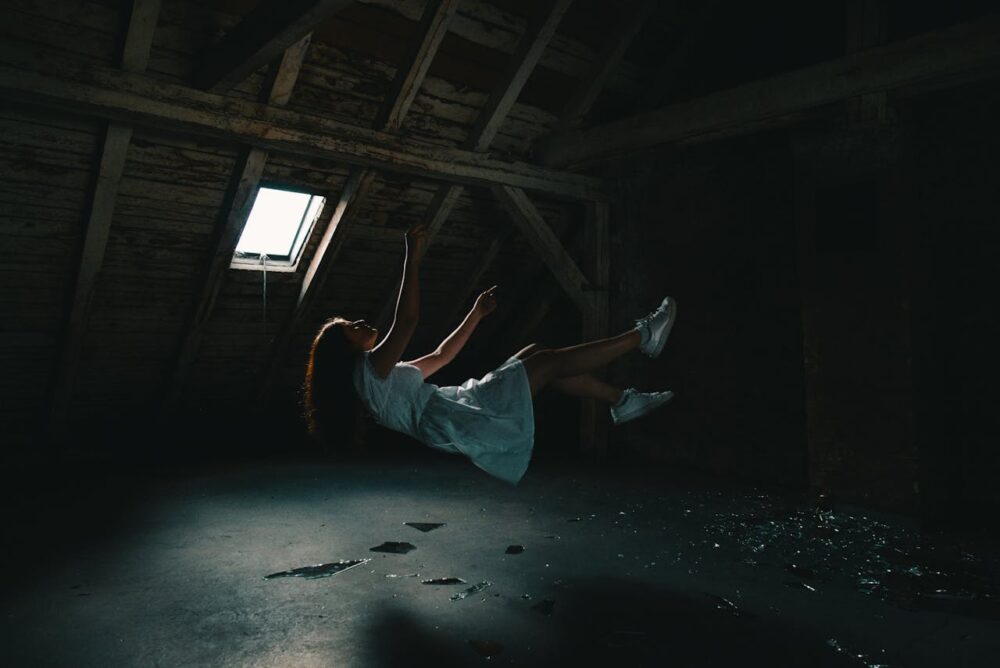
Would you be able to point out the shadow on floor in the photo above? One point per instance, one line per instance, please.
(607, 622)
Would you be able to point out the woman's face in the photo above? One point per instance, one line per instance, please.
(360, 334)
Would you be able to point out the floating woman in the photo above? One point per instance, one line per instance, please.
(490, 420)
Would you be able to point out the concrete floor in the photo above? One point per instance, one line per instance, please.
(655, 572)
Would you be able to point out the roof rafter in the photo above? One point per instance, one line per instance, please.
(135, 56)
(271, 28)
(235, 210)
(520, 66)
(931, 61)
(406, 83)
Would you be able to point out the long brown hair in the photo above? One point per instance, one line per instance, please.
(330, 401)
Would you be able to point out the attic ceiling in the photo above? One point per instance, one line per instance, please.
(160, 319)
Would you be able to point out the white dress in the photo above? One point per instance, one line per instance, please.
(490, 420)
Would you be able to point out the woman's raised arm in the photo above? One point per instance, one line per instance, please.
(454, 342)
(385, 355)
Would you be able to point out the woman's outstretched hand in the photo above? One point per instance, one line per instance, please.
(486, 302)
(416, 241)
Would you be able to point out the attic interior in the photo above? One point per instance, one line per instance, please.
(814, 183)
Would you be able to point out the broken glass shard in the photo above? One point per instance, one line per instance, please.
(445, 581)
(318, 570)
(514, 549)
(394, 547)
(424, 526)
(474, 589)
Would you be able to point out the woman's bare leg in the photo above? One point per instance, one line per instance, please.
(544, 366)
(585, 385)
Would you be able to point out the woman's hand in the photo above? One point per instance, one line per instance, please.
(486, 303)
(416, 241)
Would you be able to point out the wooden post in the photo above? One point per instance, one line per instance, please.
(593, 413)
(135, 56)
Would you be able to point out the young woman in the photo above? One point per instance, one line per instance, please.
(490, 420)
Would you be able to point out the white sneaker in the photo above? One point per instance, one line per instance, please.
(635, 404)
(655, 327)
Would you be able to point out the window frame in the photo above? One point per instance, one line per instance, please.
(262, 261)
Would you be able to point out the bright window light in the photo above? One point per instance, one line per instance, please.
(277, 228)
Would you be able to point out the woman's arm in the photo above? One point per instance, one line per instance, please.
(454, 342)
(385, 355)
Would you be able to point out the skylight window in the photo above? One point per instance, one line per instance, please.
(277, 228)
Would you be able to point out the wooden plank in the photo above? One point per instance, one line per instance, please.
(594, 413)
(55, 82)
(434, 23)
(933, 61)
(238, 203)
(607, 60)
(522, 64)
(271, 28)
(546, 244)
(135, 55)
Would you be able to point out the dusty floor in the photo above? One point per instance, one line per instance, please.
(618, 568)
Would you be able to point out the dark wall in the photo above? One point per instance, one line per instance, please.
(952, 201)
(838, 323)
(712, 226)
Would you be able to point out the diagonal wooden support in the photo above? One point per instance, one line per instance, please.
(437, 15)
(582, 101)
(135, 57)
(235, 211)
(609, 57)
(434, 23)
(520, 66)
(546, 244)
(271, 28)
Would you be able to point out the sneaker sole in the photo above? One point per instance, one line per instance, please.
(666, 332)
(648, 408)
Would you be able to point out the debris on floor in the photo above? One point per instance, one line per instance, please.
(514, 549)
(424, 526)
(394, 547)
(474, 589)
(318, 570)
(445, 581)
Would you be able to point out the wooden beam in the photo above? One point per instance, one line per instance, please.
(433, 26)
(520, 66)
(594, 414)
(271, 28)
(938, 60)
(236, 208)
(135, 56)
(75, 87)
(546, 244)
(608, 58)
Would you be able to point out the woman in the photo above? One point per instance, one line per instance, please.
(490, 420)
